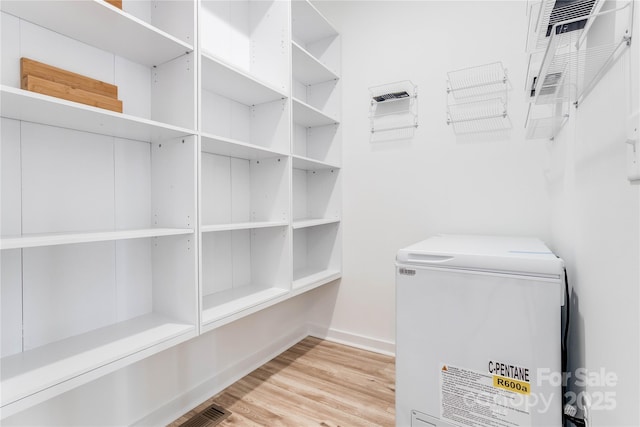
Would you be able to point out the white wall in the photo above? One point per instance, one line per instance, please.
(396, 193)
(572, 192)
(595, 213)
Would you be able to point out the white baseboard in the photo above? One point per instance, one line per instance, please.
(207, 389)
(354, 340)
(213, 385)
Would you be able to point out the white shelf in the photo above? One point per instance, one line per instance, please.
(233, 83)
(308, 116)
(305, 163)
(29, 106)
(307, 69)
(309, 24)
(53, 239)
(41, 369)
(233, 148)
(99, 24)
(477, 81)
(242, 226)
(393, 111)
(484, 89)
(313, 277)
(226, 303)
(479, 116)
(313, 222)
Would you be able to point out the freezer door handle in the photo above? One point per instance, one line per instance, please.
(428, 259)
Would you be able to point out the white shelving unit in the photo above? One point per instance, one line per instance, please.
(153, 69)
(114, 287)
(235, 148)
(316, 223)
(98, 208)
(309, 164)
(243, 268)
(312, 32)
(316, 84)
(244, 161)
(240, 112)
(216, 193)
(33, 107)
(308, 69)
(54, 239)
(308, 116)
(51, 369)
(316, 193)
(568, 56)
(477, 100)
(249, 35)
(163, 32)
(316, 255)
(244, 233)
(243, 191)
(304, 223)
(243, 226)
(235, 84)
(316, 148)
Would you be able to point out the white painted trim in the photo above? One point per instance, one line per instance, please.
(185, 402)
(354, 340)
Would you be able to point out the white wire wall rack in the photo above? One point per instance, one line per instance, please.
(477, 99)
(393, 112)
(477, 81)
(576, 53)
(545, 121)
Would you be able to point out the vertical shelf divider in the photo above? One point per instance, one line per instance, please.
(316, 147)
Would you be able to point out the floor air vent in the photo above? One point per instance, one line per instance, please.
(209, 417)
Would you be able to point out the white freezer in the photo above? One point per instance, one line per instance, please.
(478, 333)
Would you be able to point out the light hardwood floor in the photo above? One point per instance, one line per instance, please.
(314, 383)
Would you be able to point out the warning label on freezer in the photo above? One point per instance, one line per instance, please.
(474, 399)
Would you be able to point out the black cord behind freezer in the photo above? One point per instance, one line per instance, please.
(565, 335)
(578, 422)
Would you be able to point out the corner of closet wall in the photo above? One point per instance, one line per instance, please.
(595, 221)
(99, 254)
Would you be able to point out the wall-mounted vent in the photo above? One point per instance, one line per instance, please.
(565, 10)
(550, 84)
